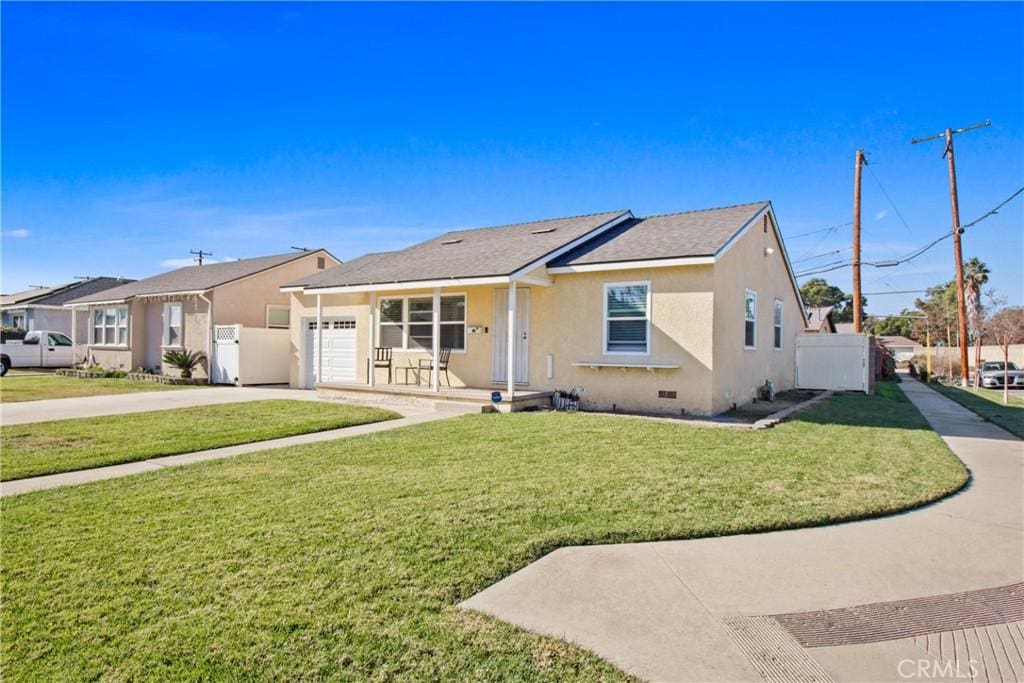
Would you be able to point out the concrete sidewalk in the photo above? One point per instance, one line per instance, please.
(19, 486)
(704, 610)
(25, 412)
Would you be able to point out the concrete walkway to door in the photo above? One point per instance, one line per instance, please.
(740, 608)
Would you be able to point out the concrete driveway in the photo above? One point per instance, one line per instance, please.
(93, 406)
(803, 605)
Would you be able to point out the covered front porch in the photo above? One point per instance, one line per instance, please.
(466, 397)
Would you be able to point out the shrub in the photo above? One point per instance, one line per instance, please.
(184, 361)
(8, 333)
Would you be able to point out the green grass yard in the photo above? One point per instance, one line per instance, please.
(35, 387)
(64, 445)
(346, 559)
(988, 403)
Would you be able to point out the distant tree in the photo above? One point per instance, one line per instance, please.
(818, 292)
(975, 277)
(1005, 326)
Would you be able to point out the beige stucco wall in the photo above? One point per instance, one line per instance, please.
(245, 302)
(739, 371)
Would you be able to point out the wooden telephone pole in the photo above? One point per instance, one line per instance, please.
(957, 231)
(857, 313)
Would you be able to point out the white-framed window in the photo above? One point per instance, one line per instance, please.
(173, 325)
(110, 326)
(749, 319)
(18, 321)
(627, 318)
(777, 326)
(278, 317)
(406, 323)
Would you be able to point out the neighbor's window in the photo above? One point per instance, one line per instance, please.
(407, 323)
(749, 319)
(278, 317)
(18, 321)
(110, 326)
(778, 325)
(627, 317)
(172, 324)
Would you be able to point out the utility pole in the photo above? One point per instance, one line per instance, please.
(957, 231)
(199, 255)
(857, 313)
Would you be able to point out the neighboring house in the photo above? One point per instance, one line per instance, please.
(901, 347)
(43, 308)
(680, 312)
(133, 325)
(819, 320)
(844, 328)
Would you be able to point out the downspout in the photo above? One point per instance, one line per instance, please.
(209, 337)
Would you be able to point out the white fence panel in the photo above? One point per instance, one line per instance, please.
(251, 355)
(840, 362)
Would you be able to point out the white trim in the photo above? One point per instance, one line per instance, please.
(629, 265)
(597, 365)
(187, 292)
(165, 336)
(411, 285)
(647, 318)
(744, 229)
(127, 325)
(565, 248)
(90, 304)
(510, 369)
(298, 288)
(778, 305)
(435, 334)
(745, 321)
(371, 319)
(25, 307)
(278, 307)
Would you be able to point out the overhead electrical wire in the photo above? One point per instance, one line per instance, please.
(891, 202)
(828, 267)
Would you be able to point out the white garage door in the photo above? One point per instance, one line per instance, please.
(339, 356)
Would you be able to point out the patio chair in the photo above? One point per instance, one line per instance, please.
(442, 365)
(382, 359)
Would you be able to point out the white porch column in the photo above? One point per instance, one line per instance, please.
(319, 340)
(435, 344)
(372, 336)
(511, 389)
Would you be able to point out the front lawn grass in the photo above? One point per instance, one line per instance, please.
(988, 403)
(65, 445)
(346, 559)
(36, 387)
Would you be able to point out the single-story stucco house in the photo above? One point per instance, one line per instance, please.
(819, 320)
(131, 326)
(685, 312)
(43, 308)
(901, 347)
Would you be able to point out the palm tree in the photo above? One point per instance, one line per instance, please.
(975, 276)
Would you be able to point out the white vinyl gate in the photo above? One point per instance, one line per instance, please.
(339, 353)
(250, 355)
(840, 362)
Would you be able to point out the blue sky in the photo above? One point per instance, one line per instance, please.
(133, 133)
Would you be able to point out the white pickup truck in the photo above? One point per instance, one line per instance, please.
(39, 349)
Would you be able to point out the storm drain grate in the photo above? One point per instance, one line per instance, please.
(906, 618)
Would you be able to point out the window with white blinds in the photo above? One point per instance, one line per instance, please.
(627, 317)
(407, 323)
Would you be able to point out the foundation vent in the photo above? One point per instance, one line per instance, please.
(666, 394)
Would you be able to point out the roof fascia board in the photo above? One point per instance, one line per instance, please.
(565, 248)
(87, 304)
(185, 292)
(629, 265)
(412, 284)
(48, 307)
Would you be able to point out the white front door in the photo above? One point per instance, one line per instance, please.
(499, 352)
(339, 354)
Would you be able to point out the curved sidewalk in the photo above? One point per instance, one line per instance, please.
(731, 608)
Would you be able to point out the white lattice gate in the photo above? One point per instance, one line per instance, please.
(227, 354)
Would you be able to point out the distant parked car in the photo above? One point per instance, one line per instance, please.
(39, 349)
(993, 373)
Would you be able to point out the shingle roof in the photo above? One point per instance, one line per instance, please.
(897, 340)
(691, 233)
(194, 278)
(817, 315)
(480, 252)
(61, 294)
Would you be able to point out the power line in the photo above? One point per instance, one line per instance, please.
(891, 202)
(815, 232)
